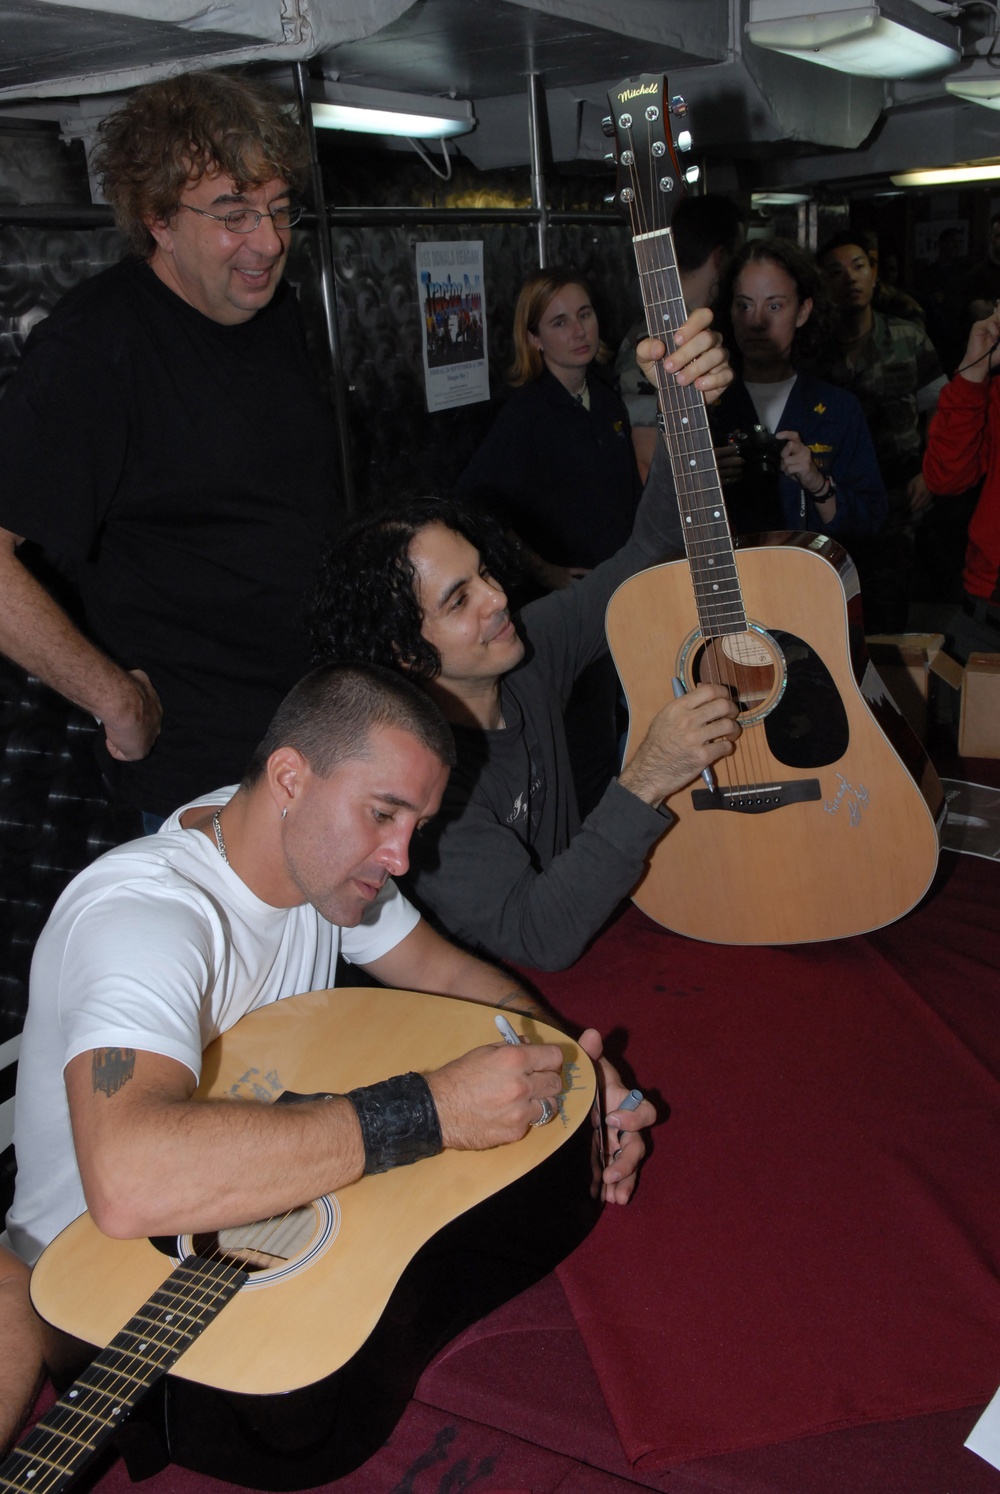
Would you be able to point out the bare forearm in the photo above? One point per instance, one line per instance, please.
(424, 961)
(37, 635)
(186, 1165)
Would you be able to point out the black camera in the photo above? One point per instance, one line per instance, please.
(760, 450)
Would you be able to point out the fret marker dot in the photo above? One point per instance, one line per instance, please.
(715, 585)
(73, 1395)
(716, 515)
(143, 1346)
(687, 519)
(711, 562)
(684, 420)
(692, 463)
(169, 1318)
(31, 1472)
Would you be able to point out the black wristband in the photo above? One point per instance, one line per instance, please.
(399, 1122)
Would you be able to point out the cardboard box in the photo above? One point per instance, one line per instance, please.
(978, 685)
(903, 661)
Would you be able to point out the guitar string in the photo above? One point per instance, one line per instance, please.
(689, 453)
(699, 459)
(746, 762)
(38, 1452)
(185, 1301)
(664, 311)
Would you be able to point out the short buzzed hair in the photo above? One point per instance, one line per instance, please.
(702, 224)
(330, 715)
(844, 238)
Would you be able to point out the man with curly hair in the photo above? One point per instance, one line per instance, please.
(133, 450)
(506, 866)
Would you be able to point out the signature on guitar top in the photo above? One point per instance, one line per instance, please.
(824, 822)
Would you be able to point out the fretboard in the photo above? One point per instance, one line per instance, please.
(83, 1419)
(707, 538)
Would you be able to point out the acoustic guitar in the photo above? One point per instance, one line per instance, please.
(302, 1295)
(825, 821)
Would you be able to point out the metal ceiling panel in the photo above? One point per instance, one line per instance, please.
(484, 48)
(42, 41)
(64, 49)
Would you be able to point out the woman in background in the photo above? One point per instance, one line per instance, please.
(795, 451)
(558, 471)
(557, 467)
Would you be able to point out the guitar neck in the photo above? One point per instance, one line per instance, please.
(707, 538)
(82, 1420)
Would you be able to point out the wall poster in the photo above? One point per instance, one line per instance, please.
(453, 318)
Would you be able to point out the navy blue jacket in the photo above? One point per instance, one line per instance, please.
(563, 477)
(831, 423)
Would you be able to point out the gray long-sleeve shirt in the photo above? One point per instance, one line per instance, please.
(505, 866)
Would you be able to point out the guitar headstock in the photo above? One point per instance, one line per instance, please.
(644, 122)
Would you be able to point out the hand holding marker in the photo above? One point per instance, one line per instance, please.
(632, 1100)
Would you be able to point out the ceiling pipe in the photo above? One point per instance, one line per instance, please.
(538, 199)
(328, 290)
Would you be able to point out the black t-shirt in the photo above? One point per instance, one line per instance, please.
(182, 473)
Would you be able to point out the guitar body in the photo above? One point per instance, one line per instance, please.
(304, 1373)
(824, 822)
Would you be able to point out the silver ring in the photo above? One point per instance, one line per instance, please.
(548, 1111)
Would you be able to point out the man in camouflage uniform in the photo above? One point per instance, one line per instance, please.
(892, 368)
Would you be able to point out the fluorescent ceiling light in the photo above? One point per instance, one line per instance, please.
(868, 38)
(947, 175)
(979, 83)
(374, 111)
(777, 199)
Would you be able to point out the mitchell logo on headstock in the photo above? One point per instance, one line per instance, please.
(635, 93)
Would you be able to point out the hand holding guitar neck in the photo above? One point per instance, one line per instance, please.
(697, 357)
(689, 734)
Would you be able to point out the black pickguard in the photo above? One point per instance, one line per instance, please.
(808, 727)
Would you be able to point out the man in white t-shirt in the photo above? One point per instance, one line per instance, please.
(241, 900)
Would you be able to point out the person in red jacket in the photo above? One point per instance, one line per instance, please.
(963, 448)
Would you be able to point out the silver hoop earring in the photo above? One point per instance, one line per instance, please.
(284, 812)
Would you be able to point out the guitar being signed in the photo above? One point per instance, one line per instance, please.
(824, 823)
(306, 1370)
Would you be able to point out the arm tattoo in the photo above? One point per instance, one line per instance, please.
(112, 1069)
(520, 1001)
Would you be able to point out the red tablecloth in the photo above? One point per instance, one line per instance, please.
(816, 1239)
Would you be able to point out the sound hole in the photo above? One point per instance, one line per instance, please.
(270, 1249)
(749, 665)
(264, 1246)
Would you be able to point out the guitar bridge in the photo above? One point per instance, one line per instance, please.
(757, 798)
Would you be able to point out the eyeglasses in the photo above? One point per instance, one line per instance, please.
(245, 220)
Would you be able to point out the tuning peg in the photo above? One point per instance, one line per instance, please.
(684, 141)
(607, 125)
(678, 106)
(611, 199)
(692, 175)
